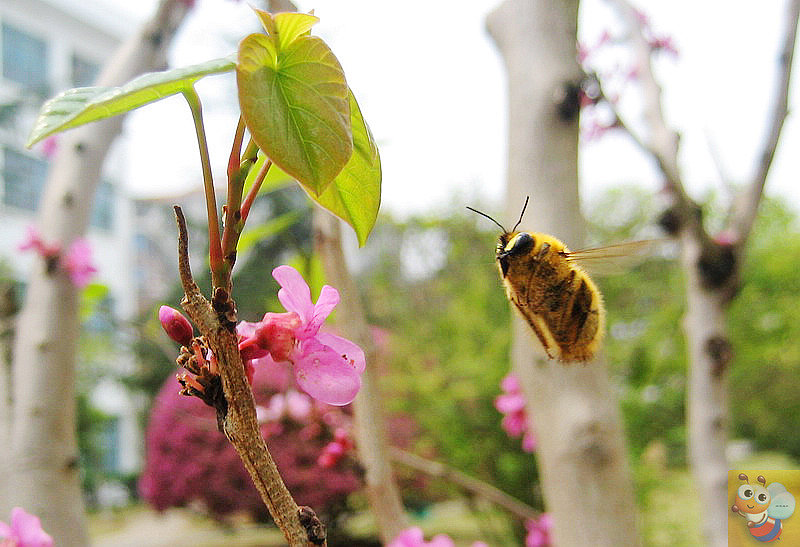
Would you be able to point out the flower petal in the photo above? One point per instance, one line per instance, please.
(294, 293)
(322, 373)
(344, 347)
(328, 298)
(28, 529)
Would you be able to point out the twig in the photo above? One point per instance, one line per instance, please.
(238, 418)
(471, 484)
(745, 213)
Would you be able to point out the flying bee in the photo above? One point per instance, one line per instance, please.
(552, 292)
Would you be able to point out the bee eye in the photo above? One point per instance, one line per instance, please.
(522, 243)
(762, 498)
(745, 492)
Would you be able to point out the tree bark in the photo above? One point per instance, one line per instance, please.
(370, 426)
(712, 267)
(42, 472)
(581, 450)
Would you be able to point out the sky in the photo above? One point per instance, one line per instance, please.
(431, 85)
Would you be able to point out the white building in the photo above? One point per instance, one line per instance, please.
(47, 46)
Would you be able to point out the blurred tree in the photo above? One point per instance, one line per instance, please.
(40, 462)
(581, 453)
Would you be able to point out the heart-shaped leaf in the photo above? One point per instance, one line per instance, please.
(355, 194)
(294, 101)
(82, 105)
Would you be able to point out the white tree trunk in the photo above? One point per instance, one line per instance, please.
(42, 471)
(581, 450)
(369, 421)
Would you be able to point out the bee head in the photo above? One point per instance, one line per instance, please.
(513, 244)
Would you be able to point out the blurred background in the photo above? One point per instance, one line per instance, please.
(432, 86)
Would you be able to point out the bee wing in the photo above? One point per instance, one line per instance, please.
(613, 259)
(783, 502)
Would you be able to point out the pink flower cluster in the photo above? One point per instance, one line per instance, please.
(326, 366)
(76, 262)
(414, 537)
(515, 420)
(25, 530)
(336, 449)
(539, 531)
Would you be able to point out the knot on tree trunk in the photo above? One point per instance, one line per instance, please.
(720, 351)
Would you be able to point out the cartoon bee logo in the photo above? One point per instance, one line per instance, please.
(549, 287)
(763, 508)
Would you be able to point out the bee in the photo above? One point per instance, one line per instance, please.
(764, 507)
(552, 292)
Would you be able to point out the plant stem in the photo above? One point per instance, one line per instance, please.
(253, 193)
(299, 525)
(219, 277)
(234, 220)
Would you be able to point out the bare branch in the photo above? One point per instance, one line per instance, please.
(746, 208)
(471, 484)
(662, 142)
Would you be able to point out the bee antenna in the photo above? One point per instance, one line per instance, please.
(487, 216)
(522, 213)
(762, 480)
(743, 477)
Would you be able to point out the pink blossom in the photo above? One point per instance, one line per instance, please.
(326, 366)
(539, 531)
(413, 537)
(34, 242)
(336, 449)
(50, 147)
(176, 325)
(298, 405)
(25, 530)
(511, 404)
(78, 263)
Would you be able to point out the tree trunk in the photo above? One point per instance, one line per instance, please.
(42, 473)
(370, 426)
(581, 449)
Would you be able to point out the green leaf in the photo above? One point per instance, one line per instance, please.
(355, 194)
(253, 235)
(286, 27)
(294, 101)
(82, 105)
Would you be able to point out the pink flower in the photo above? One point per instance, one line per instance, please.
(336, 449)
(413, 537)
(539, 531)
(515, 419)
(35, 242)
(78, 263)
(326, 366)
(176, 325)
(25, 531)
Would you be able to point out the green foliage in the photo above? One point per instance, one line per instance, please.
(295, 102)
(355, 195)
(765, 376)
(293, 96)
(76, 107)
(448, 320)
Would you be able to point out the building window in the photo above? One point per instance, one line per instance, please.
(103, 210)
(23, 179)
(83, 72)
(25, 59)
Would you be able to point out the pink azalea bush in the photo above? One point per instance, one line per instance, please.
(515, 420)
(24, 530)
(326, 366)
(189, 462)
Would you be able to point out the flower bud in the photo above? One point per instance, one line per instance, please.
(176, 325)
